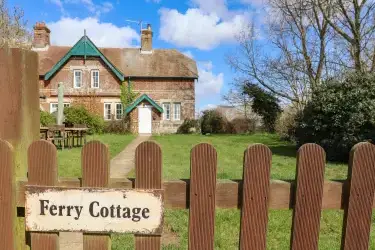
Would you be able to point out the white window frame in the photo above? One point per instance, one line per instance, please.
(105, 113)
(177, 116)
(165, 117)
(66, 105)
(122, 110)
(92, 78)
(75, 78)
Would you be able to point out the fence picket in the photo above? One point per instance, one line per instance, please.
(42, 171)
(202, 197)
(95, 173)
(148, 172)
(357, 213)
(7, 197)
(309, 194)
(256, 182)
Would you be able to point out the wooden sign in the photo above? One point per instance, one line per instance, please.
(51, 209)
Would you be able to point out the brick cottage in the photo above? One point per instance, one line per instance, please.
(91, 76)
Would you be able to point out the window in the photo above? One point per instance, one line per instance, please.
(95, 79)
(107, 111)
(77, 79)
(54, 106)
(167, 111)
(177, 111)
(119, 111)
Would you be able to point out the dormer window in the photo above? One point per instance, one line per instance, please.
(95, 79)
(77, 79)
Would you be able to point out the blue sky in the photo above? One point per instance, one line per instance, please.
(202, 29)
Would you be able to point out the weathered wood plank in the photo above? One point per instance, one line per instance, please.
(255, 196)
(227, 193)
(148, 172)
(202, 197)
(7, 197)
(42, 170)
(357, 213)
(95, 173)
(309, 193)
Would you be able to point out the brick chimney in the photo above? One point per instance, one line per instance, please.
(41, 35)
(146, 39)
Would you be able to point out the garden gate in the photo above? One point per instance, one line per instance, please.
(254, 195)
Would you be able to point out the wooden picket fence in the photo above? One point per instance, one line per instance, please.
(254, 195)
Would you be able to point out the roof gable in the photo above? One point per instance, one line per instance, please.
(84, 47)
(142, 98)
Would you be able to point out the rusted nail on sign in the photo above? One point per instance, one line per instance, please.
(97, 210)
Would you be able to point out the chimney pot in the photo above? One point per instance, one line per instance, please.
(146, 39)
(41, 35)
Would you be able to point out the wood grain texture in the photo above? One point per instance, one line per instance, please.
(95, 173)
(7, 197)
(42, 171)
(357, 214)
(309, 193)
(255, 196)
(148, 172)
(202, 197)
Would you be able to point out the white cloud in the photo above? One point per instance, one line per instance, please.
(254, 2)
(218, 7)
(67, 31)
(199, 29)
(96, 9)
(208, 83)
(188, 53)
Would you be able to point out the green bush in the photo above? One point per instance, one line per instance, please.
(188, 127)
(243, 125)
(118, 126)
(46, 118)
(286, 124)
(339, 115)
(214, 123)
(80, 115)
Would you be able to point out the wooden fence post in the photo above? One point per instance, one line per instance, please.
(7, 197)
(148, 175)
(357, 212)
(254, 211)
(42, 159)
(309, 194)
(95, 173)
(202, 197)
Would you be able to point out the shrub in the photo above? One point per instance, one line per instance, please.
(339, 115)
(188, 127)
(214, 123)
(286, 124)
(243, 125)
(118, 126)
(46, 118)
(80, 115)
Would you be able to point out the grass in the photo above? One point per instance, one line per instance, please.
(176, 164)
(69, 160)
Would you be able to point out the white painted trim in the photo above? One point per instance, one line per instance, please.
(122, 113)
(52, 103)
(104, 112)
(174, 114)
(147, 52)
(164, 113)
(74, 78)
(40, 49)
(92, 78)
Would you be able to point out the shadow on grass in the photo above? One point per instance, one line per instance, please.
(285, 150)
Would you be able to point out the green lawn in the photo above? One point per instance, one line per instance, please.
(176, 162)
(69, 160)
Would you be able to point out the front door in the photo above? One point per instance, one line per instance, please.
(144, 120)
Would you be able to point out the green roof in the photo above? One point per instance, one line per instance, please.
(142, 98)
(84, 47)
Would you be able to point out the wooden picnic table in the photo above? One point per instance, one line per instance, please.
(78, 133)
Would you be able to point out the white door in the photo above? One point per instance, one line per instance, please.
(144, 120)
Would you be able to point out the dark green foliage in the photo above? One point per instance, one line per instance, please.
(80, 115)
(214, 123)
(118, 126)
(339, 115)
(189, 126)
(243, 126)
(264, 104)
(46, 118)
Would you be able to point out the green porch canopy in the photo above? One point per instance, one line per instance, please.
(142, 98)
(84, 48)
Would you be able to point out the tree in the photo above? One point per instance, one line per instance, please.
(13, 27)
(264, 104)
